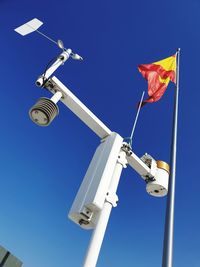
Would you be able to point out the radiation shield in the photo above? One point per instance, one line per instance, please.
(92, 192)
(29, 27)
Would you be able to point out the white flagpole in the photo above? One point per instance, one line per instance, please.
(167, 260)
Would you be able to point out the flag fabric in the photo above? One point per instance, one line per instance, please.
(158, 75)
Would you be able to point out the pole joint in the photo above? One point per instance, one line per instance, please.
(127, 148)
(112, 198)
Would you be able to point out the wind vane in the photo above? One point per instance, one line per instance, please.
(33, 26)
(98, 192)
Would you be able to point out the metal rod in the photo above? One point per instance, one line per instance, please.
(44, 35)
(50, 39)
(136, 118)
(56, 97)
(167, 260)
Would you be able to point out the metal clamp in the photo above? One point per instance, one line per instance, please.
(86, 215)
(127, 148)
(112, 198)
(151, 163)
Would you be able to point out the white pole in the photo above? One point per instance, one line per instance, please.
(99, 232)
(97, 236)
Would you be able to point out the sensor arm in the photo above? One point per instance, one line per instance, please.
(97, 126)
(59, 61)
(139, 166)
(78, 108)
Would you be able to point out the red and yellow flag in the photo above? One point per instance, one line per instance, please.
(158, 74)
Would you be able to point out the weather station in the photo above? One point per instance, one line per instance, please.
(97, 194)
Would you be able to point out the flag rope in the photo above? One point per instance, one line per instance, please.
(136, 119)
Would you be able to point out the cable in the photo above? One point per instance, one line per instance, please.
(46, 68)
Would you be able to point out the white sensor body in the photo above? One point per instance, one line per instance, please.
(159, 187)
(92, 193)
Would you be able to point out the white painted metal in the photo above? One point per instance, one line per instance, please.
(92, 192)
(97, 194)
(139, 166)
(151, 163)
(97, 236)
(59, 61)
(158, 187)
(29, 27)
(56, 97)
(78, 108)
(99, 232)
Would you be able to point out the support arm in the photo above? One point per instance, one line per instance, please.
(139, 166)
(78, 108)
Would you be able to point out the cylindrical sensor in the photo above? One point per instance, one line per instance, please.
(159, 187)
(43, 112)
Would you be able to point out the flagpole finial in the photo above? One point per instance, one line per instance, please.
(178, 49)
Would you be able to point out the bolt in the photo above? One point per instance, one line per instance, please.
(83, 222)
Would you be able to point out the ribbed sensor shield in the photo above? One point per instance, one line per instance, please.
(43, 112)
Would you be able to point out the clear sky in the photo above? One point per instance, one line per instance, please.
(42, 168)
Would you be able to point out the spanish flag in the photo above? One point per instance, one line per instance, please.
(158, 74)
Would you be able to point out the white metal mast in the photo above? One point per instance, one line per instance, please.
(98, 192)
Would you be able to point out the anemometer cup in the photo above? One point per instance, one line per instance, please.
(158, 187)
(44, 111)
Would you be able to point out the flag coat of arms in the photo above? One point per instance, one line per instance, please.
(158, 75)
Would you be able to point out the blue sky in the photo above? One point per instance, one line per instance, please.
(42, 168)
